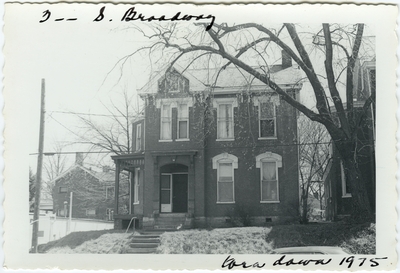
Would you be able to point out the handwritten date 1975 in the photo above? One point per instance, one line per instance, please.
(230, 262)
(132, 15)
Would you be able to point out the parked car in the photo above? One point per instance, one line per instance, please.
(310, 250)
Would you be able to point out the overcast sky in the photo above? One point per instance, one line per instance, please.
(75, 58)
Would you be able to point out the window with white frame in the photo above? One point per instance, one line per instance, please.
(166, 122)
(268, 163)
(139, 137)
(267, 120)
(136, 185)
(225, 164)
(345, 186)
(225, 121)
(183, 121)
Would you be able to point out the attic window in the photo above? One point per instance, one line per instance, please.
(172, 82)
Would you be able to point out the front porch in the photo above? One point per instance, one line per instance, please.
(133, 164)
(161, 190)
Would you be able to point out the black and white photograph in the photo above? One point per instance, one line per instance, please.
(201, 136)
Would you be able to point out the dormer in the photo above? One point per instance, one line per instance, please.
(173, 82)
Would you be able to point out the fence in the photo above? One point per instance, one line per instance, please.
(52, 227)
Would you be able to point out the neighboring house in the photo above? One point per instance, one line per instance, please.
(337, 191)
(208, 149)
(93, 193)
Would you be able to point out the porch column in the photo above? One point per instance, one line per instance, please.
(191, 188)
(156, 187)
(132, 193)
(116, 190)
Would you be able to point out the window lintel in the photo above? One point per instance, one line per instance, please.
(225, 158)
(268, 157)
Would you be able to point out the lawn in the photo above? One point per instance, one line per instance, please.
(76, 239)
(356, 239)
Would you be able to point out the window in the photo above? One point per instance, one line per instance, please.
(139, 137)
(183, 121)
(90, 212)
(225, 164)
(345, 186)
(136, 186)
(110, 192)
(225, 121)
(267, 119)
(269, 183)
(63, 189)
(166, 123)
(172, 82)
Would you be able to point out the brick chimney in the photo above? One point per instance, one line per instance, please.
(106, 169)
(286, 60)
(79, 159)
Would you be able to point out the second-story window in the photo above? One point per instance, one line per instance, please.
(267, 119)
(139, 137)
(225, 121)
(166, 122)
(183, 121)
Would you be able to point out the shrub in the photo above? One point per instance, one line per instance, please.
(364, 242)
(240, 216)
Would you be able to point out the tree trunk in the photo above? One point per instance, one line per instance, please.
(361, 208)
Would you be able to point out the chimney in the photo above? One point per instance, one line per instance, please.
(79, 159)
(286, 60)
(106, 169)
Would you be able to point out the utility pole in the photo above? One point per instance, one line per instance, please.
(35, 229)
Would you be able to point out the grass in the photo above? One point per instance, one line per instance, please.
(109, 243)
(75, 239)
(356, 239)
(324, 234)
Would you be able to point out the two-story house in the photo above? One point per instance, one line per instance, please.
(212, 144)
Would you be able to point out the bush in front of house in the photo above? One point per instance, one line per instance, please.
(364, 242)
(240, 216)
(245, 240)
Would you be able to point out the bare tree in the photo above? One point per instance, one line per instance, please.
(313, 158)
(54, 165)
(248, 46)
(110, 132)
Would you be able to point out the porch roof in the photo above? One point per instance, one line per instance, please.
(129, 162)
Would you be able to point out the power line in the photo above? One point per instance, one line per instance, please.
(87, 114)
(236, 147)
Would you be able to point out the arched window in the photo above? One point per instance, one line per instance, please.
(225, 164)
(268, 163)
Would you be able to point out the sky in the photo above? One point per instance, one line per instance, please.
(79, 62)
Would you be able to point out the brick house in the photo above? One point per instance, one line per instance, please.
(93, 192)
(210, 149)
(337, 191)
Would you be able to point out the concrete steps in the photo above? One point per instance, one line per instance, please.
(144, 244)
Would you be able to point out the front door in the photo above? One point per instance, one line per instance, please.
(174, 192)
(179, 192)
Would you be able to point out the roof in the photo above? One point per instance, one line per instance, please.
(101, 176)
(231, 78)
